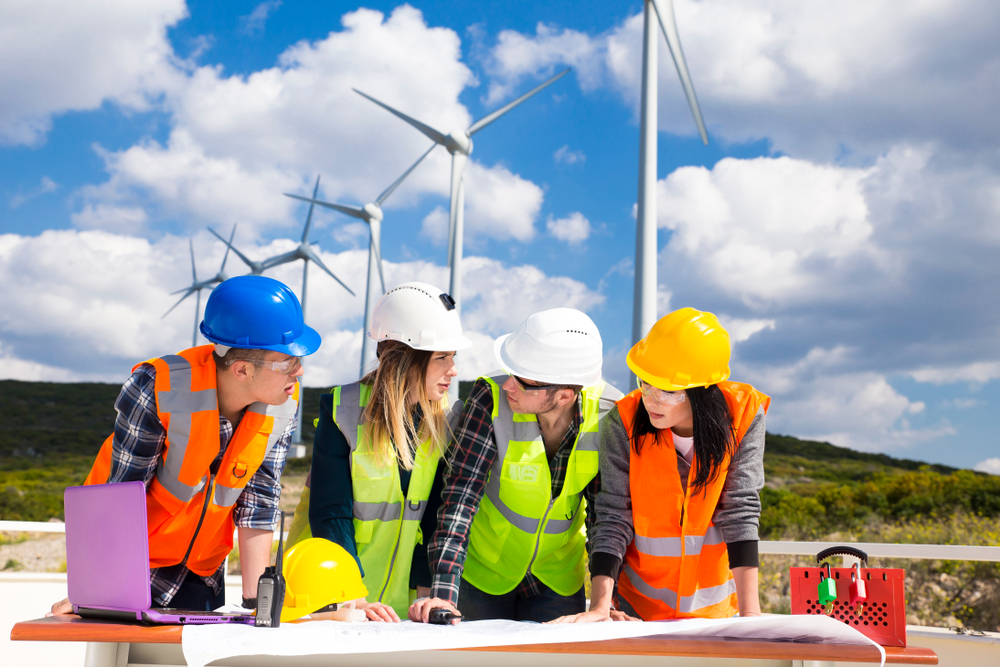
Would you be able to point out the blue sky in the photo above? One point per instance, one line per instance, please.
(842, 220)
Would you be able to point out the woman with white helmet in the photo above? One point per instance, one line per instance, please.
(376, 472)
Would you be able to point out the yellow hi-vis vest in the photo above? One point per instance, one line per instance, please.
(519, 527)
(386, 525)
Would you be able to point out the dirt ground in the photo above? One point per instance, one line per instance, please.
(46, 552)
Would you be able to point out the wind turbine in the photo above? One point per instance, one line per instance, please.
(304, 252)
(197, 286)
(459, 144)
(371, 214)
(644, 306)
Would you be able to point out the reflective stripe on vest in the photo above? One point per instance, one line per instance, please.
(671, 546)
(520, 527)
(691, 604)
(677, 563)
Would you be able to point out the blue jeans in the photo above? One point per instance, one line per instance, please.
(476, 605)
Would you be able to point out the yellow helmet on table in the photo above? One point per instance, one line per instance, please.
(684, 349)
(317, 573)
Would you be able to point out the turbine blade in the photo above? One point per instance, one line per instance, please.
(352, 211)
(669, 26)
(228, 247)
(389, 190)
(193, 274)
(376, 242)
(188, 293)
(246, 260)
(431, 133)
(312, 205)
(313, 257)
(486, 120)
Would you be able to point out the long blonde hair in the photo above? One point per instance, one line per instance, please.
(392, 431)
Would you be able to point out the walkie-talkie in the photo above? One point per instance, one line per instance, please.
(271, 588)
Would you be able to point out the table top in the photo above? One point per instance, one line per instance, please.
(74, 628)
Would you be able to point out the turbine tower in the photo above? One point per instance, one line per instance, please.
(197, 286)
(371, 214)
(304, 252)
(644, 306)
(459, 144)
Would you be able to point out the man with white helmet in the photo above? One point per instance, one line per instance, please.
(376, 481)
(511, 525)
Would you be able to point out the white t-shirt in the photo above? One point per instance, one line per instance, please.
(683, 445)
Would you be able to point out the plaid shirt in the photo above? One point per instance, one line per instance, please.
(474, 452)
(138, 443)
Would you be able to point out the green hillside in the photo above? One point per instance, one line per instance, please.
(50, 432)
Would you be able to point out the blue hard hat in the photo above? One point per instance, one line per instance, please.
(256, 312)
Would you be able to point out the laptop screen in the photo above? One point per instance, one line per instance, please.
(107, 549)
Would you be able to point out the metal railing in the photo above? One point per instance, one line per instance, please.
(873, 549)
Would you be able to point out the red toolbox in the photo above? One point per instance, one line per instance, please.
(876, 607)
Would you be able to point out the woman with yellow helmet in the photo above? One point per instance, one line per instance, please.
(681, 472)
(375, 481)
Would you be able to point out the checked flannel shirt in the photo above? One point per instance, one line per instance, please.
(473, 453)
(139, 438)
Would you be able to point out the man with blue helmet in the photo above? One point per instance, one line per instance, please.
(207, 430)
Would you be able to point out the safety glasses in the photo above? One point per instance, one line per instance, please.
(287, 367)
(661, 396)
(533, 387)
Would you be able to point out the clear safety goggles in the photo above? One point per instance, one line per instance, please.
(287, 367)
(661, 396)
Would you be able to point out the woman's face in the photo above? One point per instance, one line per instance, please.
(440, 370)
(666, 409)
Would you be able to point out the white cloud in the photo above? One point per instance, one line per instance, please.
(516, 57)
(253, 23)
(815, 398)
(238, 142)
(46, 186)
(781, 70)
(761, 228)
(58, 56)
(741, 330)
(977, 372)
(567, 156)
(86, 305)
(991, 466)
(572, 229)
(963, 403)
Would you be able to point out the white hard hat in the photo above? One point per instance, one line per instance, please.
(420, 315)
(557, 346)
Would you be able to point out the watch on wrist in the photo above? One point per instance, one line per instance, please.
(250, 603)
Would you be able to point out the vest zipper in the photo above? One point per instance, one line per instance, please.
(395, 550)
(201, 519)
(541, 531)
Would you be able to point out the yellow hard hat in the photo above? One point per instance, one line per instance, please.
(686, 348)
(318, 572)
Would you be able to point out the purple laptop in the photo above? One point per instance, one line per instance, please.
(107, 558)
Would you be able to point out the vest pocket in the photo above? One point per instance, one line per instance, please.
(363, 531)
(489, 533)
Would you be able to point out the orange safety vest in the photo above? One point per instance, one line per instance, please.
(189, 510)
(677, 565)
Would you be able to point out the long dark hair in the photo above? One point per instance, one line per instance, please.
(714, 436)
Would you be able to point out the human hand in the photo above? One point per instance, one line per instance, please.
(60, 608)
(378, 612)
(622, 616)
(420, 610)
(594, 616)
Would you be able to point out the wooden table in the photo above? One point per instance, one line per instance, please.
(119, 645)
